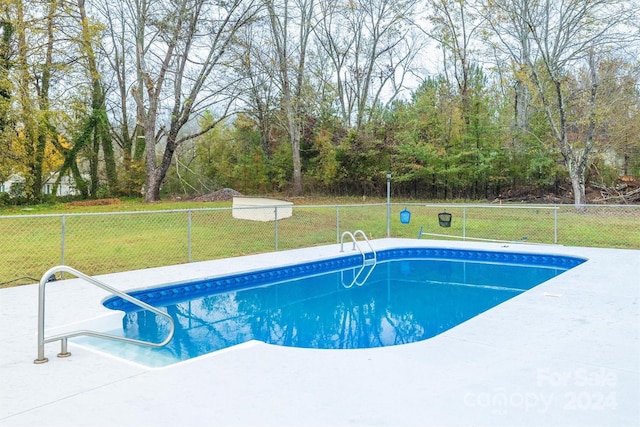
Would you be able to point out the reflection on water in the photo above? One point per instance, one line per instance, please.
(402, 302)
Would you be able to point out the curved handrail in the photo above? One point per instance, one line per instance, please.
(63, 337)
(364, 236)
(373, 262)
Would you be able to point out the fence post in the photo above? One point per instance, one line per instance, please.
(464, 222)
(555, 224)
(337, 224)
(275, 217)
(388, 204)
(64, 226)
(189, 235)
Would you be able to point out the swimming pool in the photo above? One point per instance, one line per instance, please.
(411, 294)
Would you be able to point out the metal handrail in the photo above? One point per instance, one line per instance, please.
(372, 263)
(63, 337)
(355, 242)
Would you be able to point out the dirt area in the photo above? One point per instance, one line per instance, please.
(626, 191)
(222, 195)
(97, 202)
(530, 194)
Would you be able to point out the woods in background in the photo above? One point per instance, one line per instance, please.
(457, 99)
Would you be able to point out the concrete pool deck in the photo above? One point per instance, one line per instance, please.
(566, 353)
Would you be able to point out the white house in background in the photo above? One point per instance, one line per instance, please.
(13, 179)
(66, 187)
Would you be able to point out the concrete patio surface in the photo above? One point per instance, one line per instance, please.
(565, 353)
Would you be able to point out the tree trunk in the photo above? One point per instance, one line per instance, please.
(577, 176)
(98, 121)
(287, 76)
(297, 164)
(152, 183)
(27, 113)
(6, 62)
(152, 188)
(297, 170)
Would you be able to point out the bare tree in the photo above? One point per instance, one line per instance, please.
(370, 46)
(455, 25)
(513, 51)
(565, 36)
(181, 54)
(93, 135)
(120, 71)
(258, 89)
(291, 28)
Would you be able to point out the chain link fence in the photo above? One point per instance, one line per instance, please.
(98, 243)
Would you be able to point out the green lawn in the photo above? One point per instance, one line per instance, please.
(102, 239)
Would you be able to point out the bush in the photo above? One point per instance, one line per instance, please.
(18, 193)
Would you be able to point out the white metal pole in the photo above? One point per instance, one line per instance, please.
(388, 204)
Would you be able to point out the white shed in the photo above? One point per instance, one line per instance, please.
(261, 208)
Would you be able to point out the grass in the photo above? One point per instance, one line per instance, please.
(107, 240)
(125, 205)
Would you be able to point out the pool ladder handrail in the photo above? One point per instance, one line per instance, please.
(63, 337)
(365, 262)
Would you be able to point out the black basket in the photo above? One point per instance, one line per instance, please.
(444, 219)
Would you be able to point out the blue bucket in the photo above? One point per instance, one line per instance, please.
(405, 216)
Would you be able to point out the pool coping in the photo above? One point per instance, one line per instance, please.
(559, 354)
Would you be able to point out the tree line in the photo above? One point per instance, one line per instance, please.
(453, 98)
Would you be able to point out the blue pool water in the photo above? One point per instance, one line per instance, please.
(410, 295)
